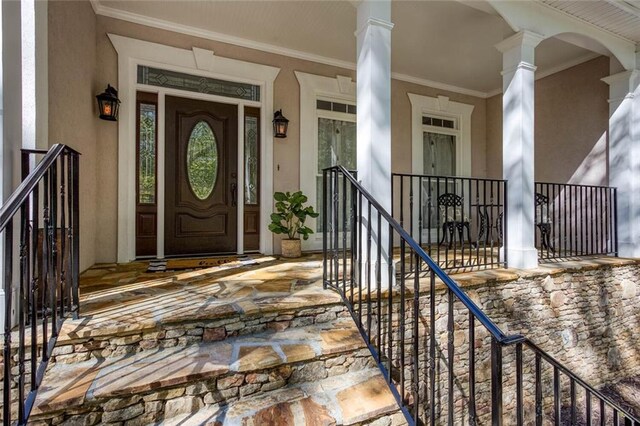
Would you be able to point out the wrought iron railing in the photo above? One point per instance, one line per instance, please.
(445, 361)
(458, 221)
(39, 226)
(575, 220)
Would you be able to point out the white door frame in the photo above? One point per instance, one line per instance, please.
(312, 88)
(439, 106)
(133, 52)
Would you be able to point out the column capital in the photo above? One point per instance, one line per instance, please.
(518, 51)
(521, 39)
(625, 77)
(369, 22)
(622, 85)
(373, 13)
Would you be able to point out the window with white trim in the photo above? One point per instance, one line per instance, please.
(336, 142)
(439, 140)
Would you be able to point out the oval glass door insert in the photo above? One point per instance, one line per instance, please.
(202, 160)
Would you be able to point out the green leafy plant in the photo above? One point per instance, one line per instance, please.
(291, 214)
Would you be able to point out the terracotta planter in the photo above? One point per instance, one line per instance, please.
(291, 248)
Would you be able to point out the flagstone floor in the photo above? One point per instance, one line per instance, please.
(329, 370)
(125, 300)
(124, 297)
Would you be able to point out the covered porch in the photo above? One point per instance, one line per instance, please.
(486, 138)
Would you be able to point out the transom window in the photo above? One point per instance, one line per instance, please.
(438, 122)
(194, 83)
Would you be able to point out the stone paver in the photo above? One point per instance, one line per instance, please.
(346, 399)
(74, 384)
(121, 299)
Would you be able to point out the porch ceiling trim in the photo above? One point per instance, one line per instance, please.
(549, 22)
(135, 18)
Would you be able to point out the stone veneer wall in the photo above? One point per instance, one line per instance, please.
(586, 317)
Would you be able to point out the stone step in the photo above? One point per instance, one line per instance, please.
(109, 328)
(361, 397)
(121, 388)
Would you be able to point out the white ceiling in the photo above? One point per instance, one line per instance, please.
(621, 17)
(448, 42)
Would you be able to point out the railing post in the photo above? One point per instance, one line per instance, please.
(75, 234)
(615, 218)
(496, 382)
(8, 292)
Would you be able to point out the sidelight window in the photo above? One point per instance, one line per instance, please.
(147, 153)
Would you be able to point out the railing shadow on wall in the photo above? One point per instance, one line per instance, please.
(39, 223)
(444, 359)
(575, 221)
(458, 221)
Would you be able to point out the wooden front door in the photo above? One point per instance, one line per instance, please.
(201, 177)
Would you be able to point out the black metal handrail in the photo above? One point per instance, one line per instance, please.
(575, 220)
(39, 223)
(400, 329)
(458, 221)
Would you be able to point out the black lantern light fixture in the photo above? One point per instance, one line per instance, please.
(108, 104)
(280, 125)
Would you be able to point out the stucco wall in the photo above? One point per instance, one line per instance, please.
(571, 122)
(286, 96)
(72, 106)
(571, 111)
(401, 125)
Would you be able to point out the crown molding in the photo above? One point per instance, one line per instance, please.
(554, 70)
(566, 65)
(135, 18)
(438, 85)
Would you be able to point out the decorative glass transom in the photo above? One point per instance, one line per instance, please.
(438, 122)
(202, 160)
(195, 83)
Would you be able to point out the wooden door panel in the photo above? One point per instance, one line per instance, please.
(188, 226)
(197, 222)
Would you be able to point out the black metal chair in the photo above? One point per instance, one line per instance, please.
(542, 222)
(450, 203)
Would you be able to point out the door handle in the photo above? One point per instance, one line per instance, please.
(234, 194)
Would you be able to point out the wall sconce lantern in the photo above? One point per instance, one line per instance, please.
(280, 125)
(108, 104)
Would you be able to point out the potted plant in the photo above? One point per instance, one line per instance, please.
(289, 219)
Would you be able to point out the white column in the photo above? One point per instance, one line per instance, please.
(373, 75)
(518, 146)
(624, 156)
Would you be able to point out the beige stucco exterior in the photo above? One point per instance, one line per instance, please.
(571, 124)
(82, 61)
(73, 118)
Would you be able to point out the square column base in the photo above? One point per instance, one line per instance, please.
(521, 258)
(628, 249)
(385, 284)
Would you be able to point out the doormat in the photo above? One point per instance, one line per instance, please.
(163, 265)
